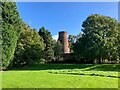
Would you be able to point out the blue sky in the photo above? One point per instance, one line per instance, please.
(63, 16)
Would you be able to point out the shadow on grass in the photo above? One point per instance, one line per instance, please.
(85, 67)
(105, 67)
(53, 66)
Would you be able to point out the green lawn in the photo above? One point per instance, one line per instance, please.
(62, 76)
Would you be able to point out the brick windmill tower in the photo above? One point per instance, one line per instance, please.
(63, 38)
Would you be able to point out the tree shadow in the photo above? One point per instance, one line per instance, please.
(85, 67)
(53, 66)
(105, 67)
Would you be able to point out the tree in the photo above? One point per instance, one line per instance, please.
(47, 37)
(58, 51)
(11, 27)
(71, 39)
(118, 43)
(30, 47)
(99, 39)
(79, 35)
(81, 51)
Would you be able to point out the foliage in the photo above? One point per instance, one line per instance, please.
(47, 37)
(30, 47)
(79, 35)
(58, 51)
(118, 41)
(99, 40)
(11, 26)
(71, 39)
(0, 39)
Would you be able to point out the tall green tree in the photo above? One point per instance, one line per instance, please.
(118, 42)
(11, 27)
(47, 37)
(71, 39)
(99, 40)
(0, 38)
(30, 47)
(58, 51)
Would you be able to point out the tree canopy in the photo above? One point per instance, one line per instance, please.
(58, 51)
(99, 40)
(29, 48)
(47, 37)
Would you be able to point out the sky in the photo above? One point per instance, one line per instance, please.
(63, 16)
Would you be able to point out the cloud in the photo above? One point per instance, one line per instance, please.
(55, 37)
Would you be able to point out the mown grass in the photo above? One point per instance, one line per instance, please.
(62, 76)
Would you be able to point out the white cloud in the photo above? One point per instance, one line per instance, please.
(55, 37)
